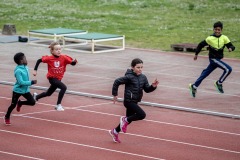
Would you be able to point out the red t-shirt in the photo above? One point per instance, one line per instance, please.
(56, 65)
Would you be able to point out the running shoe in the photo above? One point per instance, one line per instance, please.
(19, 105)
(7, 121)
(193, 91)
(114, 136)
(123, 124)
(219, 87)
(59, 107)
(35, 96)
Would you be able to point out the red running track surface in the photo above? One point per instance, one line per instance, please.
(81, 131)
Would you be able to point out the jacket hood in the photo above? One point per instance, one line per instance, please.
(130, 71)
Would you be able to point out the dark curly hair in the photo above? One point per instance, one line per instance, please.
(18, 57)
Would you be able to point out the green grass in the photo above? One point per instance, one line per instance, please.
(152, 24)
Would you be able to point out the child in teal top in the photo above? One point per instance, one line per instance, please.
(21, 87)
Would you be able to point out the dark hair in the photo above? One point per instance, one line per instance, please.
(218, 24)
(18, 57)
(136, 61)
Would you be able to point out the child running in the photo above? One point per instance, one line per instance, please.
(216, 43)
(21, 87)
(57, 63)
(135, 82)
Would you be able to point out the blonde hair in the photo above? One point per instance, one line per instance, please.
(51, 46)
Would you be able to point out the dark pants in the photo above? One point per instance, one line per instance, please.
(55, 83)
(133, 113)
(15, 96)
(214, 63)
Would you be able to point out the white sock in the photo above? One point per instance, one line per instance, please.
(126, 120)
(115, 131)
(194, 87)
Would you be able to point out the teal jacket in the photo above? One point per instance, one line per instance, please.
(22, 79)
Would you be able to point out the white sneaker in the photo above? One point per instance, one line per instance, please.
(35, 96)
(59, 107)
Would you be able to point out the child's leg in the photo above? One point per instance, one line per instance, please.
(134, 112)
(129, 112)
(49, 92)
(29, 99)
(226, 70)
(15, 97)
(62, 88)
(211, 67)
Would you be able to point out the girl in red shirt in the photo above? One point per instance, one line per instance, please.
(57, 63)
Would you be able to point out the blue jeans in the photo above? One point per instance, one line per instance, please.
(214, 63)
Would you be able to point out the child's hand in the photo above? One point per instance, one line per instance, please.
(195, 58)
(75, 60)
(155, 83)
(230, 49)
(114, 99)
(34, 72)
(34, 81)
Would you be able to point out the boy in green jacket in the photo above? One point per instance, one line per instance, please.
(216, 42)
(21, 87)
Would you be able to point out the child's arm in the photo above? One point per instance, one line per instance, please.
(117, 82)
(36, 66)
(74, 62)
(230, 47)
(149, 88)
(199, 48)
(155, 83)
(115, 99)
(20, 81)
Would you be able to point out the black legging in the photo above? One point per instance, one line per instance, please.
(133, 113)
(55, 83)
(15, 96)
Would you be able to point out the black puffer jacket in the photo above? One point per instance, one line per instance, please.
(134, 86)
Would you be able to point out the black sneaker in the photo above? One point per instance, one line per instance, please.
(219, 87)
(193, 91)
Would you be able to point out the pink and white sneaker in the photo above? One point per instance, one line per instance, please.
(114, 136)
(123, 124)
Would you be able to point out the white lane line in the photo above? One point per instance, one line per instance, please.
(78, 108)
(80, 144)
(90, 105)
(155, 138)
(174, 124)
(20, 155)
(68, 108)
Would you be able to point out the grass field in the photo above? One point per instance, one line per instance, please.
(152, 24)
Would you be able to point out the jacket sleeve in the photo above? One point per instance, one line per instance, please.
(147, 87)
(230, 45)
(20, 80)
(200, 46)
(117, 83)
(37, 64)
